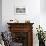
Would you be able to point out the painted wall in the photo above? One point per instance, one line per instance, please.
(33, 13)
(0, 15)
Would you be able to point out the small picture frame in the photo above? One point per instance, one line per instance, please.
(20, 10)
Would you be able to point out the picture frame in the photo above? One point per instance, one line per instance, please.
(20, 10)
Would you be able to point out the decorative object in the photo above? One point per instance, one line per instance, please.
(45, 35)
(7, 38)
(1, 40)
(27, 21)
(41, 36)
(13, 21)
(20, 10)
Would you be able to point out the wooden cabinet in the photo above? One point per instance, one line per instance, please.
(22, 33)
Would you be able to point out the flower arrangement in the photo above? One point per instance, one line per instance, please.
(40, 34)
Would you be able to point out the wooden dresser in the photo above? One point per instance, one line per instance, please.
(22, 33)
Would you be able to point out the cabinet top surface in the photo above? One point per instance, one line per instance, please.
(19, 23)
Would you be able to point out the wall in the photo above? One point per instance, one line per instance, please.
(0, 15)
(33, 13)
(43, 14)
(43, 6)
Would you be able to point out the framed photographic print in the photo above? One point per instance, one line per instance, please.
(20, 11)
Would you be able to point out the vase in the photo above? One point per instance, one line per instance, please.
(41, 43)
